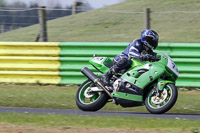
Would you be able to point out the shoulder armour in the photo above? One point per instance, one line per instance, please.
(138, 43)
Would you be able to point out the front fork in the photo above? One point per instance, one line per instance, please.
(160, 86)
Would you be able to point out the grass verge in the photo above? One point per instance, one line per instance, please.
(105, 123)
(119, 23)
(63, 97)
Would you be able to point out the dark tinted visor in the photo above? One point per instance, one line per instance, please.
(150, 41)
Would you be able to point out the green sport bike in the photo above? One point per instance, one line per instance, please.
(146, 83)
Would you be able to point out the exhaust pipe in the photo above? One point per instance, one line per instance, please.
(91, 76)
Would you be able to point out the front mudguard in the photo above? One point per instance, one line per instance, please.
(162, 83)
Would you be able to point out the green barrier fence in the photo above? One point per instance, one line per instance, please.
(75, 55)
(60, 63)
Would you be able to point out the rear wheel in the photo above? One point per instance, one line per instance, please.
(159, 105)
(90, 101)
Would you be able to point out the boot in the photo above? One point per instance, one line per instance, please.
(106, 78)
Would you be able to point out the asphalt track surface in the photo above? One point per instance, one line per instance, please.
(101, 113)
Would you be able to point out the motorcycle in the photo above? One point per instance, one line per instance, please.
(146, 83)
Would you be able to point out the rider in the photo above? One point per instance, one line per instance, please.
(141, 49)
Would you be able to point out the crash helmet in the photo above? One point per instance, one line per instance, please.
(149, 38)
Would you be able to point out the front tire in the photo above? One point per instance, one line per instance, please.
(90, 101)
(159, 105)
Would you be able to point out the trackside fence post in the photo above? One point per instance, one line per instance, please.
(43, 24)
(147, 18)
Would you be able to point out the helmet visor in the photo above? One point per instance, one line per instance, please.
(151, 41)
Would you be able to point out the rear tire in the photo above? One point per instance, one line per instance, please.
(161, 105)
(94, 103)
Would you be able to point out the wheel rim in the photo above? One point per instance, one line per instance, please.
(159, 102)
(86, 97)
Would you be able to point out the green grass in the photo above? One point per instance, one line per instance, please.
(113, 122)
(102, 26)
(63, 97)
(37, 96)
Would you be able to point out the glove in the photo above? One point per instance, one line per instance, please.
(148, 57)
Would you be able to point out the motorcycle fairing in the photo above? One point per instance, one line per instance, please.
(102, 64)
(142, 76)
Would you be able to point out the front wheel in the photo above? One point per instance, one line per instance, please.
(90, 101)
(161, 104)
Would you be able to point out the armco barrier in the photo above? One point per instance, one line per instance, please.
(60, 63)
(22, 62)
(75, 55)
